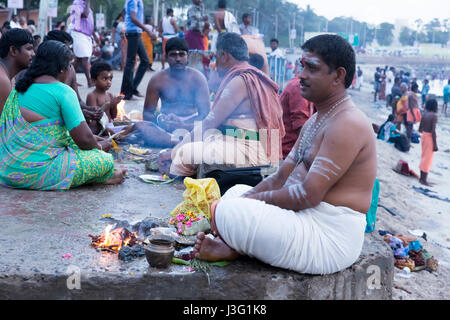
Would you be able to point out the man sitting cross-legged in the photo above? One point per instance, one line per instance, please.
(184, 97)
(244, 127)
(310, 215)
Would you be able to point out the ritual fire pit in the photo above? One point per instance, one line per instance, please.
(118, 239)
(121, 118)
(114, 240)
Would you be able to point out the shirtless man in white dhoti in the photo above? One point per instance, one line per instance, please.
(310, 215)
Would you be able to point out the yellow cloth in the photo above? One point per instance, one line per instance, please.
(148, 46)
(198, 196)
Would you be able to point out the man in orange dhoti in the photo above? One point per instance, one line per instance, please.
(429, 145)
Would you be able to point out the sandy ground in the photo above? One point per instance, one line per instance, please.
(417, 210)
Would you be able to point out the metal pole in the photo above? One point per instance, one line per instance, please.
(155, 11)
(276, 25)
(42, 19)
(289, 34)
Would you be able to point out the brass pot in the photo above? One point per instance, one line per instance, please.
(159, 252)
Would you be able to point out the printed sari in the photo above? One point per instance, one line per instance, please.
(43, 156)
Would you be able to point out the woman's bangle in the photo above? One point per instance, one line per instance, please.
(101, 147)
(157, 118)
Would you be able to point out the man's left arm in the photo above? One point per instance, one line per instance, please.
(202, 98)
(339, 148)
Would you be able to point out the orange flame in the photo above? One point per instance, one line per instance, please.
(114, 239)
(121, 114)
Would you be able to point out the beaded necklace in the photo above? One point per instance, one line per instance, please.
(312, 129)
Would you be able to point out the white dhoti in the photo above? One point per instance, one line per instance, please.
(320, 240)
(82, 45)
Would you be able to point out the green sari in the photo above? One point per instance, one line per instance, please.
(43, 156)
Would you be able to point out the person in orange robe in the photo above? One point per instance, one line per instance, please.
(429, 144)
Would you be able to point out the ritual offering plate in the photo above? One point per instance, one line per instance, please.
(137, 151)
(155, 179)
(160, 251)
(186, 240)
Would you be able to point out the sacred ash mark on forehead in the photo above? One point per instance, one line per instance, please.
(311, 60)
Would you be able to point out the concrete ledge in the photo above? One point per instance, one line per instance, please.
(40, 227)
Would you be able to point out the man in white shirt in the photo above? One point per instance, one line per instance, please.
(169, 29)
(245, 27)
(275, 50)
(390, 77)
(15, 22)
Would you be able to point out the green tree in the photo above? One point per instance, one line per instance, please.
(407, 37)
(385, 34)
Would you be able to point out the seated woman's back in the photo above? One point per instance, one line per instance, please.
(51, 101)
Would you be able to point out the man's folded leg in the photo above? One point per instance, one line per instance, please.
(319, 240)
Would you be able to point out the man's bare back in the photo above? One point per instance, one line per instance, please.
(219, 17)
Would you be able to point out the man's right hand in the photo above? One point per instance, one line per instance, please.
(105, 144)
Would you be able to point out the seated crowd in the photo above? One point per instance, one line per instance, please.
(313, 207)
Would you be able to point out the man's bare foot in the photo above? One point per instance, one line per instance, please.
(212, 250)
(118, 177)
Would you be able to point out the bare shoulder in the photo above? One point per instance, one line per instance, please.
(160, 76)
(5, 83)
(91, 99)
(196, 75)
(351, 124)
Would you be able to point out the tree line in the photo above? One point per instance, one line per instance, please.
(275, 18)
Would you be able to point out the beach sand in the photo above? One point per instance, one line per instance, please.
(418, 210)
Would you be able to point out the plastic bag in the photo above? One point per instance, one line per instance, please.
(198, 196)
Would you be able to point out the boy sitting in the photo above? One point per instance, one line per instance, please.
(101, 74)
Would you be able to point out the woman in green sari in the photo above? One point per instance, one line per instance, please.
(45, 143)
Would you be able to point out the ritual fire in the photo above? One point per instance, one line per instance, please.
(113, 240)
(121, 114)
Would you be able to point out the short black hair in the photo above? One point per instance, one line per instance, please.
(431, 105)
(245, 15)
(98, 67)
(274, 40)
(15, 37)
(256, 60)
(169, 11)
(335, 51)
(59, 35)
(176, 43)
(51, 58)
(233, 44)
(414, 87)
(36, 36)
(222, 4)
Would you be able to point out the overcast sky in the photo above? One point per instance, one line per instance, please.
(377, 11)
